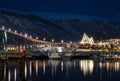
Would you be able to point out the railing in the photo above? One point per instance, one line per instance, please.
(30, 37)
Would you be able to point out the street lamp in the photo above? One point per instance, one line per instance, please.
(3, 27)
(70, 42)
(37, 38)
(15, 31)
(53, 40)
(30, 36)
(44, 39)
(9, 29)
(62, 41)
(25, 35)
(20, 33)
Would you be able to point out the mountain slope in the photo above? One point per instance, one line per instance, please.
(59, 29)
(99, 29)
(33, 25)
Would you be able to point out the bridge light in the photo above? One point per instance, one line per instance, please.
(15, 32)
(25, 35)
(44, 39)
(9, 29)
(3, 27)
(53, 40)
(36, 37)
(20, 33)
(70, 42)
(62, 41)
(30, 36)
(21, 50)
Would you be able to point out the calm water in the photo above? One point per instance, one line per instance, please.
(59, 70)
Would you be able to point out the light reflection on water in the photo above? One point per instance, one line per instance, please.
(115, 66)
(57, 70)
(25, 70)
(9, 75)
(15, 74)
(87, 66)
(30, 68)
(36, 65)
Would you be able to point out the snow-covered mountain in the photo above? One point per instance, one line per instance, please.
(99, 29)
(34, 26)
(59, 29)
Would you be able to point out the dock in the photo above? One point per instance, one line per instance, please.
(64, 55)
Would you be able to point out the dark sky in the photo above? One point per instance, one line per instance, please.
(101, 8)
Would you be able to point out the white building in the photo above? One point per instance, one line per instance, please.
(87, 40)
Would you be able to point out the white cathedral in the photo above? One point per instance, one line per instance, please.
(87, 40)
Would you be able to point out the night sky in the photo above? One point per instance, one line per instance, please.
(100, 8)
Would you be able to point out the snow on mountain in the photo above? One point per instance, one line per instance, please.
(33, 25)
(69, 28)
(99, 29)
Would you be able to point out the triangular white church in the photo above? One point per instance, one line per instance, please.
(87, 40)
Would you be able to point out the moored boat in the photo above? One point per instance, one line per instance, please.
(54, 56)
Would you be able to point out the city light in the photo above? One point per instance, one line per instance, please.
(15, 32)
(70, 42)
(9, 29)
(62, 41)
(3, 27)
(20, 33)
(30, 36)
(53, 40)
(99, 46)
(44, 39)
(36, 38)
(25, 35)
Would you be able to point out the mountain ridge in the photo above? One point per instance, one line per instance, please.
(60, 29)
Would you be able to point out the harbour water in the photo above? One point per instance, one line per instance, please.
(59, 70)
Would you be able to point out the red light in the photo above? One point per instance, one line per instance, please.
(21, 50)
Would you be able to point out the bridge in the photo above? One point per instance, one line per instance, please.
(35, 40)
